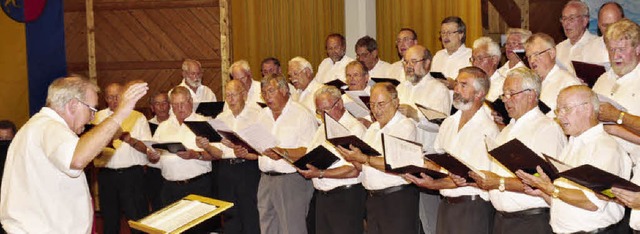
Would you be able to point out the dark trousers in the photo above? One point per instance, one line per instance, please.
(521, 224)
(238, 183)
(395, 212)
(121, 190)
(200, 185)
(474, 217)
(340, 211)
(153, 187)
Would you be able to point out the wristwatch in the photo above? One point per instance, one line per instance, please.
(501, 187)
(620, 117)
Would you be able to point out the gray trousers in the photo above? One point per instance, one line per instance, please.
(283, 202)
(429, 212)
(472, 217)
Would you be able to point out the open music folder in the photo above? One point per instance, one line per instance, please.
(393, 81)
(357, 107)
(181, 215)
(588, 72)
(339, 135)
(402, 156)
(514, 156)
(598, 180)
(454, 165)
(432, 115)
(320, 157)
(255, 138)
(203, 129)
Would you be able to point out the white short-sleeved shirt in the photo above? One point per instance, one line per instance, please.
(450, 64)
(40, 192)
(556, 80)
(566, 52)
(173, 167)
(468, 145)
(357, 129)
(599, 149)
(328, 70)
(540, 134)
(125, 155)
(294, 128)
(399, 126)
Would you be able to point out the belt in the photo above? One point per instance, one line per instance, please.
(386, 191)
(232, 161)
(339, 188)
(120, 170)
(190, 180)
(527, 212)
(273, 173)
(599, 230)
(461, 199)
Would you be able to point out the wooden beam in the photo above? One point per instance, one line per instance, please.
(224, 43)
(140, 65)
(509, 11)
(91, 42)
(484, 9)
(136, 5)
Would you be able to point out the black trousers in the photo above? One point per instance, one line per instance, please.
(473, 217)
(524, 224)
(121, 190)
(238, 183)
(174, 191)
(340, 211)
(395, 212)
(153, 187)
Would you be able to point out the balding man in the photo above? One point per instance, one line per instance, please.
(332, 67)
(486, 55)
(515, 41)
(367, 53)
(455, 55)
(576, 209)
(608, 14)
(574, 19)
(241, 71)
(406, 38)
(121, 173)
(340, 197)
(541, 53)
(192, 80)
(301, 76)
(392, 205)
(269, 66)
(464, 208)
(518, 212)
(44, 189)
(238, 173)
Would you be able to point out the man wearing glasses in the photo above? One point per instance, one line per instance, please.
(121, 174)
(301, 76)
(192, 80)
(541, 53)
(44, 189)
(406, 38)
(367, 53)
(340, 197)
(518, 212)
(577, 209)
(575, 19)
(486, 55)
(455, 55)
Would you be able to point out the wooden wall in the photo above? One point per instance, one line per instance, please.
(146, 40)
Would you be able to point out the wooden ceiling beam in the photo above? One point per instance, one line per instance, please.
(509, 11)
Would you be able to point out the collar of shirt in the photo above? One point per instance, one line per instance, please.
(396, 117)
(592, 132)
(525, 119)
(459, 52)
(505, 68)
(585, 38)
(286, 108)
(53, 114)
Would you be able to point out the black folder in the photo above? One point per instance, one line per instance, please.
(515, 155)
(431, 115)
(262, 104)
(438, 75)
(338, 84)
(543, 107)
(598, 180)
(498, 106)
(237, 140)
(172, 147)
(203, 129)
(320, 157)
(523, 57)
(588, 72)
(416, 170)
(452, 164)
(355, 141)
(366, 100)
(211, 109)
(394, 82)
(153, 127)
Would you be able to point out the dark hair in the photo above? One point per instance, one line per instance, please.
(7, 124)
(415, 35)
(339, 36)
(270, 59)
(368, 42)
(461, 26)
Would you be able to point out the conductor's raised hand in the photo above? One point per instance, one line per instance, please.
(129, 98)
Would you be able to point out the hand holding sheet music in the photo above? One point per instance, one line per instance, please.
(339, 135)
(402, 157)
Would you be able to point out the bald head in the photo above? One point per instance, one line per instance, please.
(112, 95)
(577, 109)
(417, 63)
(609, 13)
(235, 95)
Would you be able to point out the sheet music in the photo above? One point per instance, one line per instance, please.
(258, 137)
(561, 166)
(400, 153)
(183, 212)
(429, 113)
(490, 143)
(334, 128)
(356, 107)
(219, 125)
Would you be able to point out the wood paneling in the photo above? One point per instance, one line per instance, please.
(146, 40)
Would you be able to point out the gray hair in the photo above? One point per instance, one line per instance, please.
(542, 37)
(583, 7)
(180, 90)
(301, 62)
(328, 89)
(390, 88)
(524, 34)
(63, 90)
(185, 64)
(480, 82)
(529, 79)
(280, 81)
(492, 47)
(242, 64)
